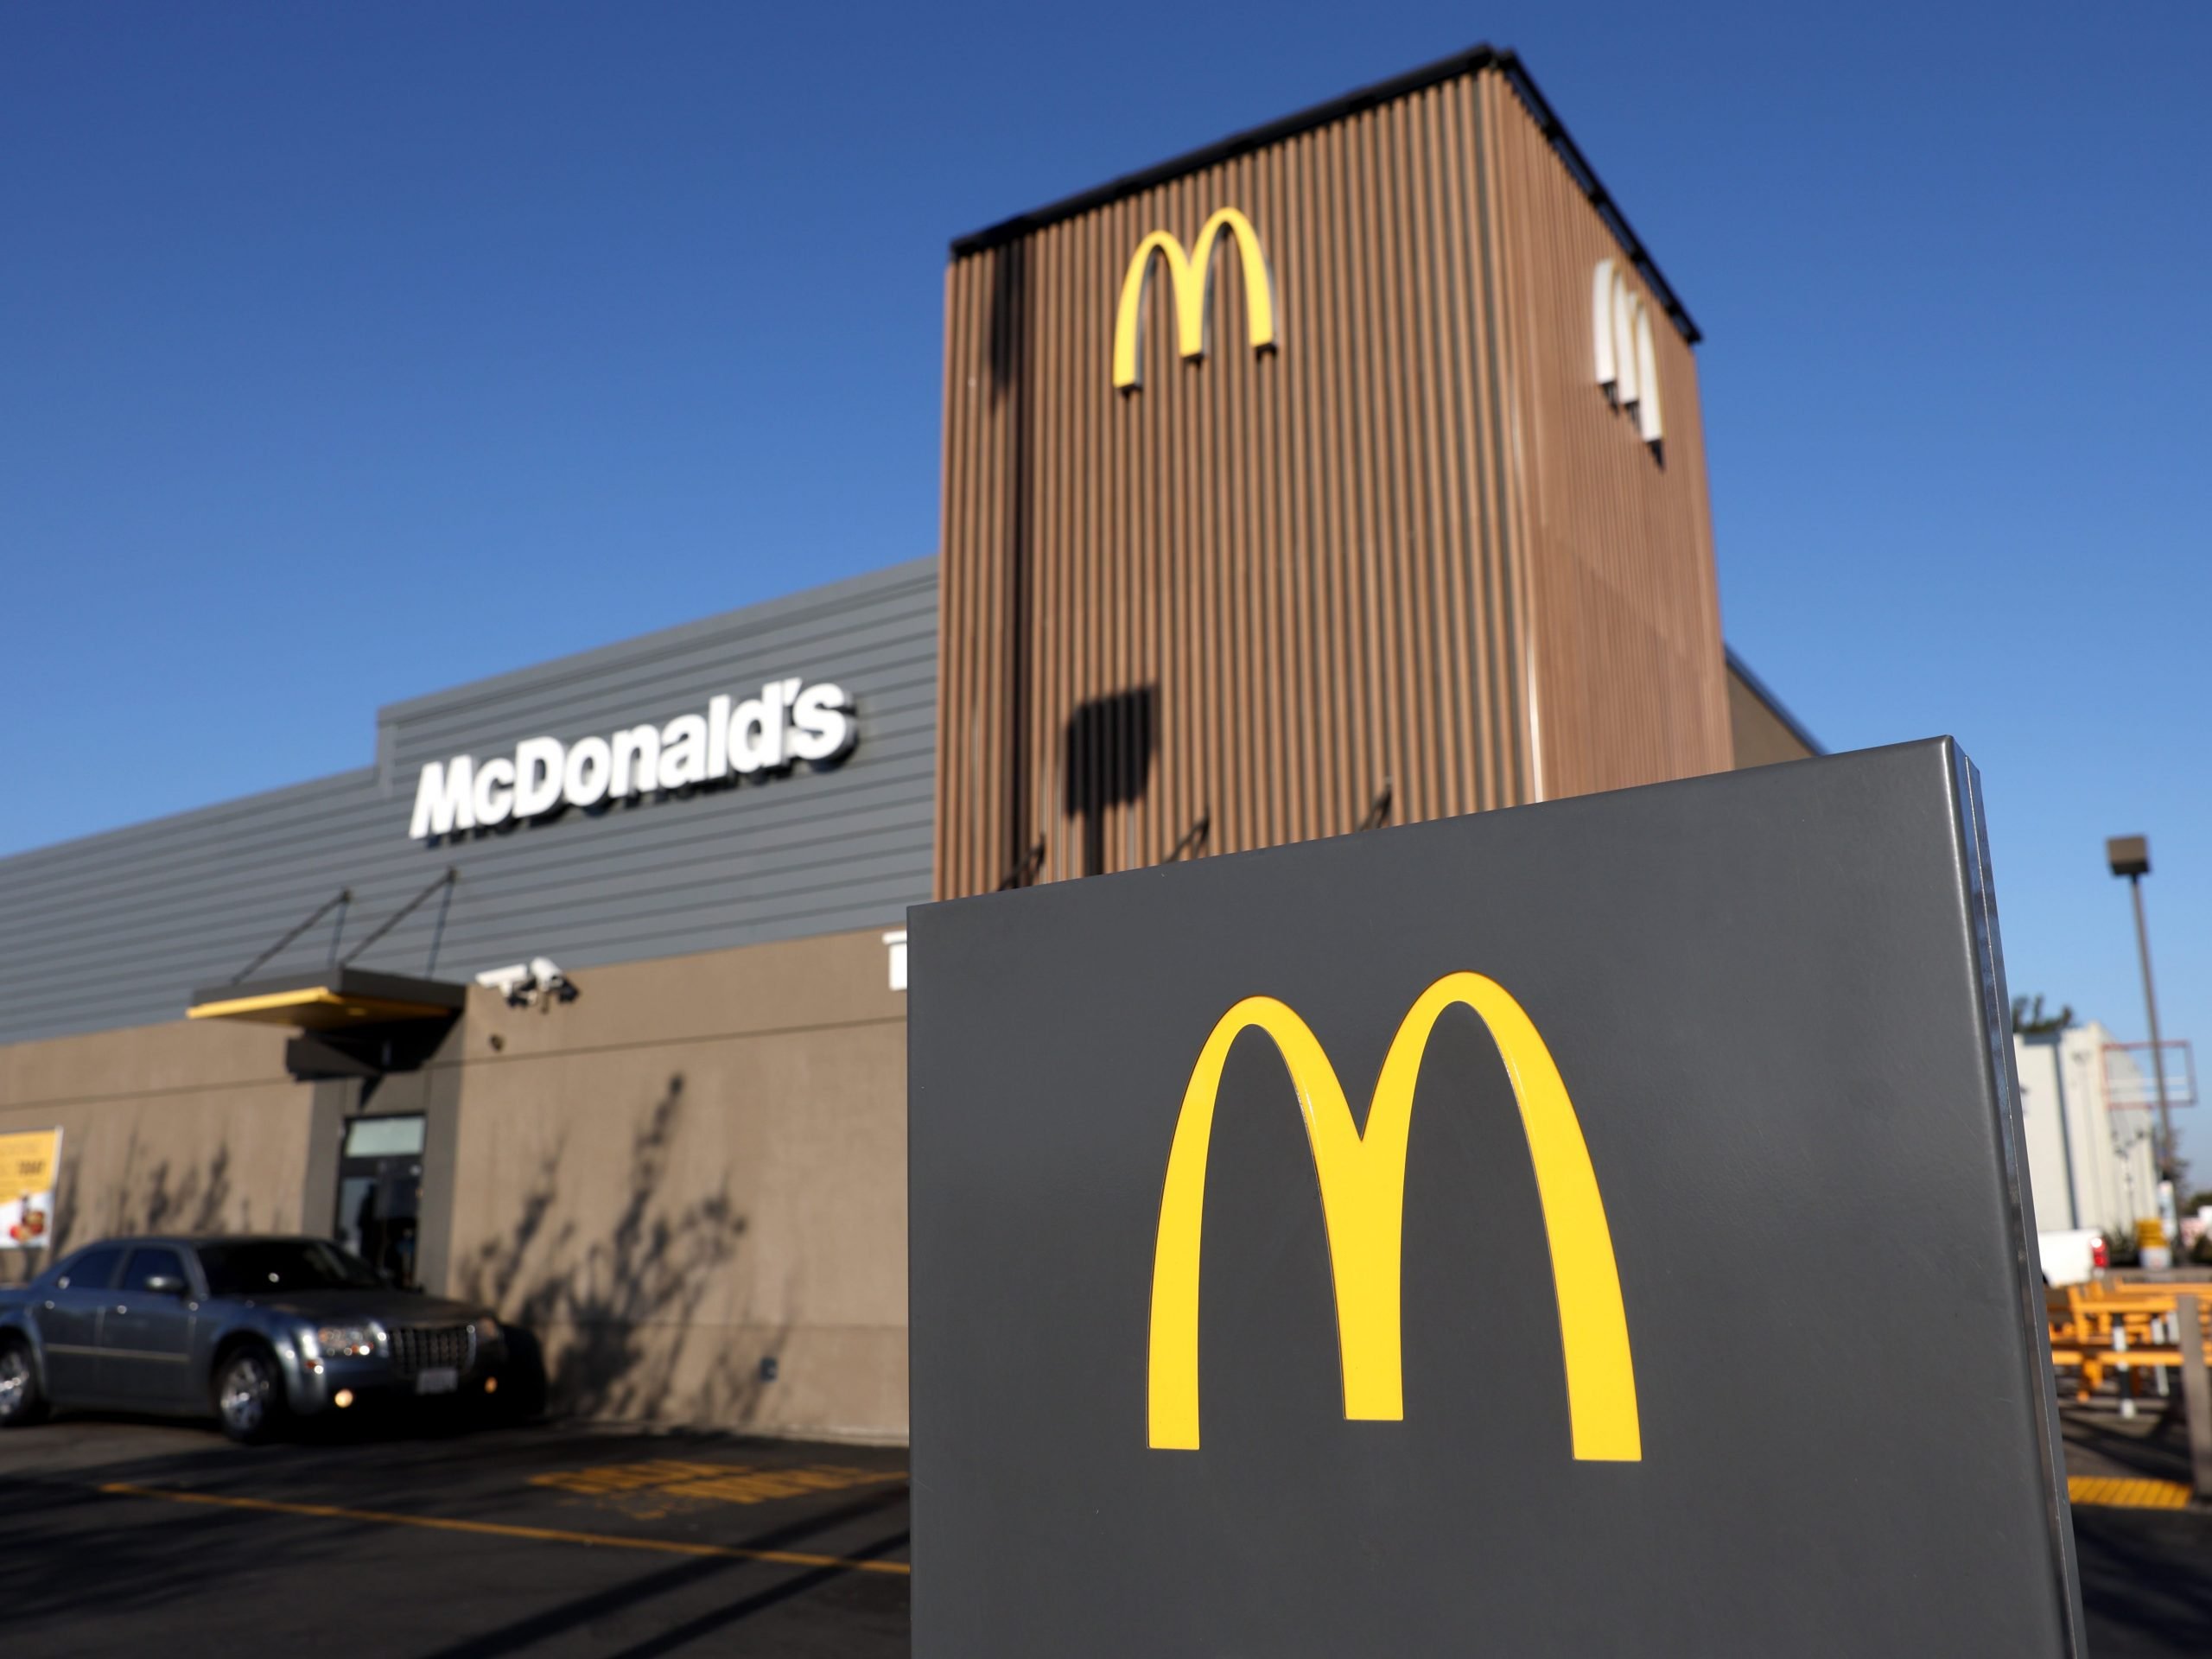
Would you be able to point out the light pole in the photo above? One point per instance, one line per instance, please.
(2130, 855)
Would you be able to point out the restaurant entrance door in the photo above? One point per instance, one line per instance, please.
(380, 1193)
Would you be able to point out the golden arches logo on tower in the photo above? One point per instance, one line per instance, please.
(1191, 278)
(1362, 1178)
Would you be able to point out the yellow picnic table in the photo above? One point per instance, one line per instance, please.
(2125, 1328)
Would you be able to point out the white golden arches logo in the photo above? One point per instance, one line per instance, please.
(1628, 365)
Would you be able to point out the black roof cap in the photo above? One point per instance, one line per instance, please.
(1506, 62)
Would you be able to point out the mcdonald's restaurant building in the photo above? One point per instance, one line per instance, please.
(1347, 473)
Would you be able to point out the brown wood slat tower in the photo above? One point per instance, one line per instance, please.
(1409, 548)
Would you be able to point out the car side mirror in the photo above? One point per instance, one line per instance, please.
(164, 1284)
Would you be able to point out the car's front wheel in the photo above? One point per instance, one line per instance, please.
(20, 1401)
(250, 1393)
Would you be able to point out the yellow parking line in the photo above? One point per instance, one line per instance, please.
(501, 1529)
(2107, 1492)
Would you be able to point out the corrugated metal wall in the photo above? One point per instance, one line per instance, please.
(114, 930)
(1626, 655)
(1263, 589)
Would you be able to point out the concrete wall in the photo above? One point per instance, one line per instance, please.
(179, 1127)
(697, 1165)
(1761, 731)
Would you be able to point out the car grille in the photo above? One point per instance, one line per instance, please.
(419, 1348)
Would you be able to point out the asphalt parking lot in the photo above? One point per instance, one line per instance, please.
(2147, 1572)
(120, 1536)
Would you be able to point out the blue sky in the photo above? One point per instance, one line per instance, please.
(347, 354)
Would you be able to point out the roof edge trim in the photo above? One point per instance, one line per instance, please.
(770, 608)
(1507, 62)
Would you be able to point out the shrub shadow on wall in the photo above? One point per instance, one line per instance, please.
(152, 1195)
(611, 1330)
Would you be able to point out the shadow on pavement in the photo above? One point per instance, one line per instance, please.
(526, 1633)
(201, 1567)
(2146, 1581)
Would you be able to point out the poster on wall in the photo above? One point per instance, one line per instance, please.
(31, 1161)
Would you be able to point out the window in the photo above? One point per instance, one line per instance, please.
(93, 1270)
(385, 1137)
(261, 1267)
(152, 1264)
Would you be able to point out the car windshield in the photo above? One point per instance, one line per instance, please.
(260, 1266)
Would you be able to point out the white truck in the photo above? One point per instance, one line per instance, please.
(2072, 1257)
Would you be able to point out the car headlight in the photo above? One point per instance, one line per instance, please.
(347, 1341)
(487, 1328)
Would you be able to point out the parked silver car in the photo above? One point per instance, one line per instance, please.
(252, 1331)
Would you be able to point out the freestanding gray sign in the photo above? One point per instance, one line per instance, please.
(1598, 1227)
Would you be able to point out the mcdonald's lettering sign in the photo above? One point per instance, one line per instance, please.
(1363, 1180)
(1191, 277)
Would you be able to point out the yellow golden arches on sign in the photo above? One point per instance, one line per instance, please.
(1192, 279)
(1362, 1178)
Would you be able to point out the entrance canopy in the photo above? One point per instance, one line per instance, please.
(338, 998)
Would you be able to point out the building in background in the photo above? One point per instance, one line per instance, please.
(1347, 473)
(690, 1170)
(2089, 1130)
(1761, 731)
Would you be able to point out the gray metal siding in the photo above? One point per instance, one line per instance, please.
(114, 930)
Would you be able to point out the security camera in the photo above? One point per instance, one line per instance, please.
(514, 981)
(526, 984)
(552, 982)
